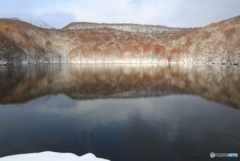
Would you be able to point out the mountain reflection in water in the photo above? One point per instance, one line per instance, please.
(121, 112)
(218, 83)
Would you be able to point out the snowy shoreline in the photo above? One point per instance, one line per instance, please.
(53, 156)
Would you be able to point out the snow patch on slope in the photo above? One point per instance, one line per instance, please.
(37, 22)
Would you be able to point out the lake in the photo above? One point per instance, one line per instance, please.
(121, 112)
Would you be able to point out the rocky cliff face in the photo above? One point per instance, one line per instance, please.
(121, 43)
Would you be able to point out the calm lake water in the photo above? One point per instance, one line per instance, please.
(121, 112)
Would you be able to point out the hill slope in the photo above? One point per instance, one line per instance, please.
(123, 43)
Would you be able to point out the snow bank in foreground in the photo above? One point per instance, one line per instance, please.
(53, 156)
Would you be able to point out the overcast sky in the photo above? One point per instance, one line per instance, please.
(175, 13)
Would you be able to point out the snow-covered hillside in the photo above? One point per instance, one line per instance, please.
(126, 27)
(34, 21)
(37, 22)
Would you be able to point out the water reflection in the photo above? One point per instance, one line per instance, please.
(217, 83)
(83, 109)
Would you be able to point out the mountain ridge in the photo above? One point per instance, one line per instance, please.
(130, 27)
(37, 22)
(214, 43)
(33, 21)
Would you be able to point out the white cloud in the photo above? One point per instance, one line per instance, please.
(58, 19)
(104, 11)
(178, 13)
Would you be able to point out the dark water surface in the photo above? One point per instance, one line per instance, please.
(121, 112)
